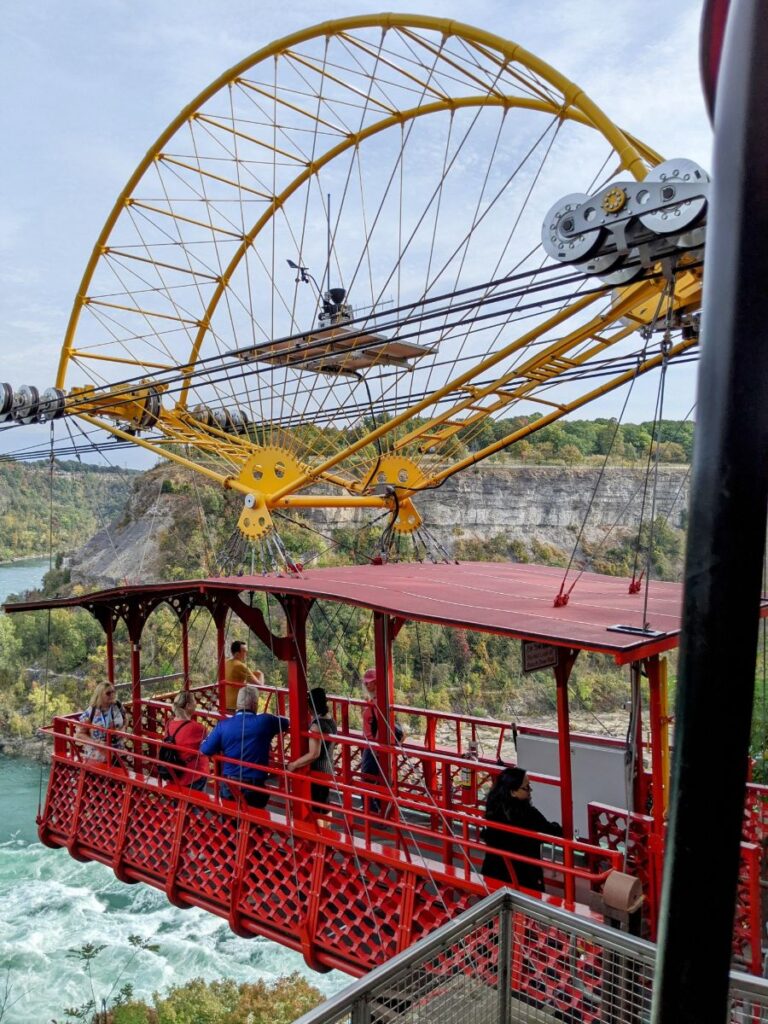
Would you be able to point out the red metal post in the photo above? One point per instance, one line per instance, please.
(296, 611)
(220, 618)
(639, 802)
(109, 628)
(562, 674)
(185, 646)
(385, 688)
(136, 685)
(658, 782)
(657, 754)
(431, 780)
(135, 620)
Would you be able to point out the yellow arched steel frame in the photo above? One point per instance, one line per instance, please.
(448, 410)
(355, 139)
(633, 155)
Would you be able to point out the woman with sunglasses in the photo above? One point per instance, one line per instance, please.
(509, 803)
(104, 712)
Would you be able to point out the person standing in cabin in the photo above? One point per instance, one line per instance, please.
(245, 738)
(509, 803)
(320, 753)
(104, 712)
(237, 674)
(370, 769)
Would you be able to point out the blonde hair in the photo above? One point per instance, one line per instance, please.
(182, 699)
(98, 693)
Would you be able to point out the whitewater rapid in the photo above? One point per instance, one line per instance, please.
(51, 904)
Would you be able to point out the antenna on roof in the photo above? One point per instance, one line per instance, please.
(328, 246)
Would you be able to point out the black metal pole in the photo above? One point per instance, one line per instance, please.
(726, 539)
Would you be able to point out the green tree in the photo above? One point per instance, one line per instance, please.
(98, 1006)
(10, 649)
(609, 438)
(226, 1002)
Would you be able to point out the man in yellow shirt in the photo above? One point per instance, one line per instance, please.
(237, 673)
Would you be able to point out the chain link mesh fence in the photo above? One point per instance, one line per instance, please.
(512, 959)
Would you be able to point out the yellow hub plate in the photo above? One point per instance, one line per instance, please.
(266, 472)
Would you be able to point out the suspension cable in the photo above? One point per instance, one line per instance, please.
(48, 629)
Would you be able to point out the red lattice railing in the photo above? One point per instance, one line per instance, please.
(348, 893)
(608, 828)
(612, 828)
(550, 969)
(747, 931)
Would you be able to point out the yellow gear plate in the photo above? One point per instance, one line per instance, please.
(614, 200)
(403, 474)
(266, 472)
(396, 470)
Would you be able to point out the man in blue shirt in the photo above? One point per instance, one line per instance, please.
(247, 736)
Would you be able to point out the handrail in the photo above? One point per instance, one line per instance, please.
(463, 820)
(406, 749)
(448, 716)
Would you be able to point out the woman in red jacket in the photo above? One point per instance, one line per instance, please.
(186, 735)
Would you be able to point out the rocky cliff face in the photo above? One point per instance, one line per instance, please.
(532, 512)
(549, 503)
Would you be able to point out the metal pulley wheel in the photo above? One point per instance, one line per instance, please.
(6, 402)
(625, 275)
(52, 404)
(694, 239)
(603, 263)
(559, 245)
(202, 414)
(237, 422)
(681, 216)
(26, 402)
(151, 411)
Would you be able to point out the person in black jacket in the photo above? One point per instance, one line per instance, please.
(509, 803)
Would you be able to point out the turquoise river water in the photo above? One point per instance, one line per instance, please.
(15, 577)
(51, 904)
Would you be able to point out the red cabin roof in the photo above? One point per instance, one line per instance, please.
(500, 597)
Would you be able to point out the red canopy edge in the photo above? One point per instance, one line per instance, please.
(508, 599)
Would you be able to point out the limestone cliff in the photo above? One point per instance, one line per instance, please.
(497, 509)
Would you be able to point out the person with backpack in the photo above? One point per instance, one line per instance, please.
(103, 713)
(180, 758)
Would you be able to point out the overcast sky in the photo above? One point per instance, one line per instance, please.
(89, 84)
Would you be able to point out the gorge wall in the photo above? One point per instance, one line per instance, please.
(493, 510)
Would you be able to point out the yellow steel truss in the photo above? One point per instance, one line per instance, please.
(464, 401)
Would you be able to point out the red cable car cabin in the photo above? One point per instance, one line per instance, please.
(352, 888)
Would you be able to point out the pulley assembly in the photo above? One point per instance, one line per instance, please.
(628, 226)
(28, 405)
(136, 410)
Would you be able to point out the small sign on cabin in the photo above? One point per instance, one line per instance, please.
(537, 656)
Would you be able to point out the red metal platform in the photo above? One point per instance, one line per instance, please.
(352, 889)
